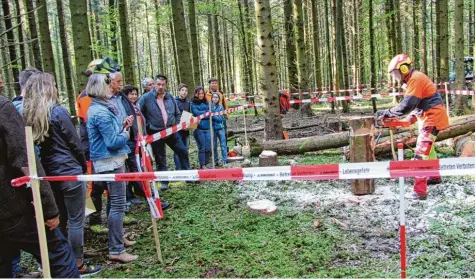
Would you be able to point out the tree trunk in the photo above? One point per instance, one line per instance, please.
(183, 47)
(356, 43)
(251, 47)
(471, 27)
(14, 59)
(461, 101)
(434, 46)
(398, 26)
(390, 29)
(443, 39)
(362, 142)
(372, 55)
(300, 47)
(459, 126)
(268, 82)
(335, 56)
(437, 58)
(148, 39)
(45, 42)
(128, 70)
(21, 38)
(315, 36)
(159, 38)
(424, 55)
(290, 46)
(32, 26)
(82, 41)
(194, 43)
(174, 49)
(341, 53)
(416, 34)
(330, 58)
(66, 58)
(113, 26)
(246, 73)
(218, 49)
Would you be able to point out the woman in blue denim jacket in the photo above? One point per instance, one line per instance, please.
(219, 131)
(61, 154)
(108, 151)
(202, 133)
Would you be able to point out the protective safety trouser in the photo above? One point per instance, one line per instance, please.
(425, 150)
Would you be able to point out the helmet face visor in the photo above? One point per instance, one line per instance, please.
(396, 75)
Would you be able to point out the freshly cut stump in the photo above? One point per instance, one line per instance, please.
(263, 206)
(464, 145)
(268, 158)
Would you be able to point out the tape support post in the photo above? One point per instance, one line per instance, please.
(388, 169)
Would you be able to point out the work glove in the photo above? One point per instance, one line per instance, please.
(382, 113)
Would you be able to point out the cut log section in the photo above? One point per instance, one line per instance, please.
(362, 144)
(268, 158)
(459, 126)
(464, 145)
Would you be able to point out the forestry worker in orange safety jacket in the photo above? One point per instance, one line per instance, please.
(421, 103)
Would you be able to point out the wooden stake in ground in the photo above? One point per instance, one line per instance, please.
(154, 221)
(447, 101)
(35, 188)
(362, 144)
(212, 134)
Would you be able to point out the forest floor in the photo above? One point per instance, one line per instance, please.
(320, 229)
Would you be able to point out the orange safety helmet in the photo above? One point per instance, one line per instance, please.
(401, 63)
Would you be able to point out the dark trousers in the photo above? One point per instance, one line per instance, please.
(133, 188)
(21, 233)
(184, 136)
(202, 137)
(176, 144)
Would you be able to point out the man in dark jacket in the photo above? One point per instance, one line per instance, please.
(17, 217)
(160, 111)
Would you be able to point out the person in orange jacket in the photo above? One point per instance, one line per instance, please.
(421, 102)
(284, 104)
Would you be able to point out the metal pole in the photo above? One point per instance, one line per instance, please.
(212, 134)
(447, 101)
(403, 247)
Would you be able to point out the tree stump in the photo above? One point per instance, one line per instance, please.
(362, 146)
(268, 158)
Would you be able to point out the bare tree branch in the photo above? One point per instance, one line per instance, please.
(13, 27)
(20, 15)
(11, 62)
(18, 43)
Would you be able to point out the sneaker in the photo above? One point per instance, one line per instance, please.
(127, 220)
(88, 270)
(99, 229)
(123, 257)
(164, 187)
(204, 167)
(127, 242)
(165, 205)
(433, 180)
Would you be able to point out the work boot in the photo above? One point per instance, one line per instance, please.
(434, 180)
(417, 196)
(164, 205)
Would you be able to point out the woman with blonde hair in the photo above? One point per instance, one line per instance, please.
(108, 151)
(61, 154)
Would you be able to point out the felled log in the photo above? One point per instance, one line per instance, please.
(459, 126)
(409, 139)
(464, 145)
(362, 143)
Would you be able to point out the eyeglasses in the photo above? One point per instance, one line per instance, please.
(107, 80)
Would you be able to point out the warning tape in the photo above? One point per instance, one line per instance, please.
(457, 92)
(184, 125)
(389, 169)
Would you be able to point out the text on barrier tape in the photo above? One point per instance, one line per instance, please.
(389, 169)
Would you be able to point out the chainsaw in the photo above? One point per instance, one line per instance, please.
(392, 123)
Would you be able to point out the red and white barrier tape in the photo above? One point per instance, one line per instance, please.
(389, 169)
(184, 125)
(345, 98)
(457, 92)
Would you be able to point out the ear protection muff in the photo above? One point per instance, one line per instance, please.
(404, 69)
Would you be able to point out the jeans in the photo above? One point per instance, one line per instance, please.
(21, 233)
(202, 137)
(220, 134)
(184, 136)
(176, 144)
(70, 197)
(133, 187)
